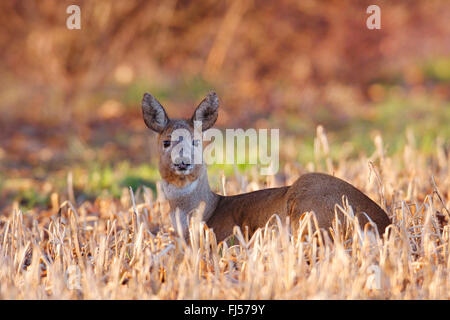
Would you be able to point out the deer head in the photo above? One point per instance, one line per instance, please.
(180, 140)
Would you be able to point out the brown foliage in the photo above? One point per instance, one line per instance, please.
(270, 55)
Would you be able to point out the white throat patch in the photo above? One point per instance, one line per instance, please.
(172, 192)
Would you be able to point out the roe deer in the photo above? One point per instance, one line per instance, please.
(185, 184)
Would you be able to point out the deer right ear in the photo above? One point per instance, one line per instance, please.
(155, 117)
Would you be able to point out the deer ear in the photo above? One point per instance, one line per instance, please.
(155, 117)
(207, 111)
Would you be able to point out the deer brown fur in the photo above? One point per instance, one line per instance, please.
(186, 186)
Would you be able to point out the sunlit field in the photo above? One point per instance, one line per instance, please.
(127, 249)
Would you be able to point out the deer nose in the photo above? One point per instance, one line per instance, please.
(182, 163)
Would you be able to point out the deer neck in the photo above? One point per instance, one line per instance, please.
(188, 198)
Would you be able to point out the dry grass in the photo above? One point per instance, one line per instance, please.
(114, 253)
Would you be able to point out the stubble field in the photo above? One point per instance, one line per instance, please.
(127, 249)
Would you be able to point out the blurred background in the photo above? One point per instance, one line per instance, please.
(70, 99)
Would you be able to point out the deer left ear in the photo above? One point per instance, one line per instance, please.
(207, 111)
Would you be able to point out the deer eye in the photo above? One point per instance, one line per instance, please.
(166, 143)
